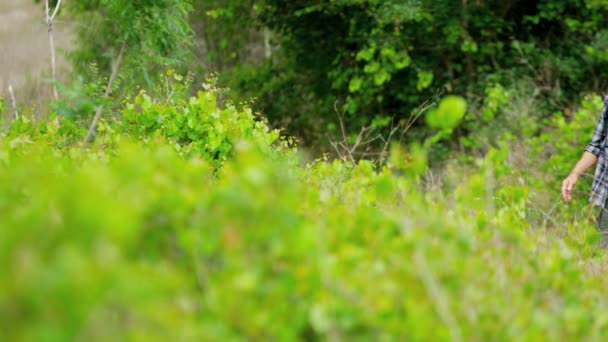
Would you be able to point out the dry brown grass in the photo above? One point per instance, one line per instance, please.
(24, 50)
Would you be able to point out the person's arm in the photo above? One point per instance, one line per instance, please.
(586, 161)
(592, 151)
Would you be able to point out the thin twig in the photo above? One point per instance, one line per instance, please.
(419, 111)
(343, 131)
(56, 10)
(107, 93)
(363, 141)
(546, 215)
(388, 140)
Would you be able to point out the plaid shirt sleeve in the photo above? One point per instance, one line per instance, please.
(599, 134)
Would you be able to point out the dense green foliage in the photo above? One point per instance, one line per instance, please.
(382, 59)
(155, 35)
(374, 63)
(148, 234)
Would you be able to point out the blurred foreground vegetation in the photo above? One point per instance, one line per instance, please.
(185, 220)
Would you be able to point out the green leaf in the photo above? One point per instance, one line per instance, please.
(450, 112)
(372, 67)
(366, 54)
(425, 78)
(381, 77)
(355, 84)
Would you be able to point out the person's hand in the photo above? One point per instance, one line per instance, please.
(568, 185)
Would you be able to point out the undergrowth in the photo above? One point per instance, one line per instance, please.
(190, 221)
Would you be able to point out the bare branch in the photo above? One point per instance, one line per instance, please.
(107, 93)
(56, 10)
(370, 134)
(426, 105)
(387, 142)
(341, 121)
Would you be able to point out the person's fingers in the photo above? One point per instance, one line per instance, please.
(571, 184)
(567, 187)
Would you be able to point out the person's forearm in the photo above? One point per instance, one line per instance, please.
(586, 161)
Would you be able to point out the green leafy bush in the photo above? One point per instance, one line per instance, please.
(190, 222)
(197, 126)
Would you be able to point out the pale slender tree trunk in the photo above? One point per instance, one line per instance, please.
(11, 93)
(49, 23)
(53, 63)
(267, 46)
(97, 116)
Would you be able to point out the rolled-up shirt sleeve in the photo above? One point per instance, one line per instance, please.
(599, 134)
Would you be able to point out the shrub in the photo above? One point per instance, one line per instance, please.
(159, 233)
